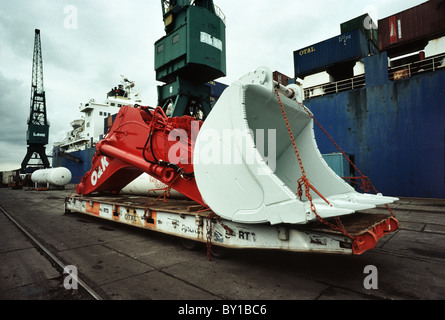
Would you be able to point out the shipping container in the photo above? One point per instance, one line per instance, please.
(108, 122)
(216, 89)
(363, 23)
(410, 30)
(348, 46)
(281, 78)
(338, 163)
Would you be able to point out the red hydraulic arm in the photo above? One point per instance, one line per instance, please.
(143, 140)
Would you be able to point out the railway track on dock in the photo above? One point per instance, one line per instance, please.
(50, 256)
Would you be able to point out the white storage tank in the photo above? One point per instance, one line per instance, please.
(145, 183)
(55, 176)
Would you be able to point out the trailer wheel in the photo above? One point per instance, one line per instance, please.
(218, 252)
(189, 244)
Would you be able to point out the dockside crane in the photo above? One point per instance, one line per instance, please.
(38, 125)
(192, 53)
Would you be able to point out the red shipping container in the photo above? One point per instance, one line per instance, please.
(410, 30)
(281, 78)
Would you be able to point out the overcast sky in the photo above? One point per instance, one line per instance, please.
(88, 44)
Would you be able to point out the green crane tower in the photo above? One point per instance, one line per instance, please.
(38, 126)
(192, 53)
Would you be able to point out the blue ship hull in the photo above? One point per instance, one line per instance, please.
(78, 162)
(394, 130)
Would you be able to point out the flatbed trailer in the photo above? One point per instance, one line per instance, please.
(191, 221)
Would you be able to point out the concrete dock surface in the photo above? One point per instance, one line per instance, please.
(120, 262)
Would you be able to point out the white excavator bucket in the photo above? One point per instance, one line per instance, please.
(246, 167)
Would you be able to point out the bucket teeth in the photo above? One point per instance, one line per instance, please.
(364, 199)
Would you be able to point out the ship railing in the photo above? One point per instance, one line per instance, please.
(220, 13)
(335, 87)
(408, 70)
(218, 10)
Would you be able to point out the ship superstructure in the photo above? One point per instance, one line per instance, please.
(77, 148)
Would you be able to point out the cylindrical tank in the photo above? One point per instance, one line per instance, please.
(145, 183)
(56, 176)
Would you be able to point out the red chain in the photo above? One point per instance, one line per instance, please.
(366, 184)
(307, 185)
(211, 217)
(209, 225)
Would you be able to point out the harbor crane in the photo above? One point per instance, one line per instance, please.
(38, 125)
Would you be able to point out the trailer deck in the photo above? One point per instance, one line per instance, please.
(191, 221)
